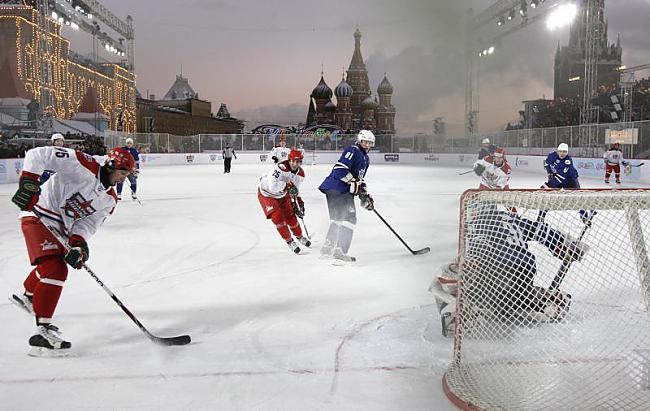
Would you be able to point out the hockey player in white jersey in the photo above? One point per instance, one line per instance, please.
(279, 196)
(280, 152)
(613, 159)
(75, 201)
(494, 171)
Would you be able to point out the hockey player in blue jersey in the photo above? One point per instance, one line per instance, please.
(499, 269)
(346, 181)
(561, 171)
(133, 177)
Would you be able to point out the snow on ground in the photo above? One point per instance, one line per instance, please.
(271, 330)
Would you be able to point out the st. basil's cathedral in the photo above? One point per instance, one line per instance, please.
(355, 106)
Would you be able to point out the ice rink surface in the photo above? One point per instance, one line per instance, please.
(271, 330)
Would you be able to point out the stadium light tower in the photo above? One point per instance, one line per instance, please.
(503, 12)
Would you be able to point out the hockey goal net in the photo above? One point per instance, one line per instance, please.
(553, 301)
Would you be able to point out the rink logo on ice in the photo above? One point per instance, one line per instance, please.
(263, 158)
(391, 158)
(189, 158)
(78, 207)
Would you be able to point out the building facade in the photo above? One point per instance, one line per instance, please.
(355, 106)
(570, 59)
(39, 60)
(182, 113)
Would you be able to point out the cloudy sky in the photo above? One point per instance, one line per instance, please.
(263, 58)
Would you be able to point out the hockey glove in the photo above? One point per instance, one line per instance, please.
(28, 191)
(354, 186)
(299, 207)
(275, 159)
(292, 190)
(367, 201)
(479, 169)
(78, 252)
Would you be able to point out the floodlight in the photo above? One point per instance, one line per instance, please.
(562, 16)
(511, 14)
(533, 3)
(501, 21)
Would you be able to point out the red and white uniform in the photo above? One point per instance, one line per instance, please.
(73, 197)
(275, 200)
(494, 177)
(281, 153)
(613, 159)
(75, 202)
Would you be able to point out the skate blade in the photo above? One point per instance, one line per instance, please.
(341, 263)
(15, 300)
(43, 352)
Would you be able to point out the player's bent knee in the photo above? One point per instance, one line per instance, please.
(53, 267)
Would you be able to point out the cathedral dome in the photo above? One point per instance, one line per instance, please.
(385, 87)
(322, 90)
(343, 89)
(368, 103)
(330, 106)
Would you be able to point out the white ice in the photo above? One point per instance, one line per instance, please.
(271, 330)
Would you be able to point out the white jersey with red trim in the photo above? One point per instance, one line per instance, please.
(613, 157)
(274, 183)
(280, 152)
(493, 177)
(73, 197)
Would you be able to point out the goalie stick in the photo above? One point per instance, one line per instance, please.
(414, 252)
(167, 341)
(566, 261)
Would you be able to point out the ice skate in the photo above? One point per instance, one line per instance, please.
(119, 197)
(340, 257)
(133, 196)
(304, 241)
(293, 246)
(23, 302)
(47, 342)
(326, 249)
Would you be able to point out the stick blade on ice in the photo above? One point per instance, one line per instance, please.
(421, 251)
(169, 341)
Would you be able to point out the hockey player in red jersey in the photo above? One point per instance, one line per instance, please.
(279, 196)
(494, 171)
(613, 159)
(75, 201)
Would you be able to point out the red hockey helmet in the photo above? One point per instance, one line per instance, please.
(295, 154)
(500, 152)
(119, 158)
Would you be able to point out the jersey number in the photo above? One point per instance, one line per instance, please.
(349, 155)
(62, 154)
(276, 174)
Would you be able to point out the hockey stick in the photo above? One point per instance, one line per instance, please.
(414, 252)
(294, 204)
(566, 262)
(465, 172)
(179, 340)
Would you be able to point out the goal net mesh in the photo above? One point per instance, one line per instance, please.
(552, 304)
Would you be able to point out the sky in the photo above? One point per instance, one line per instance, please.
(263, 58)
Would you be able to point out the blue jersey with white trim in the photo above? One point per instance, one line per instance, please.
(352, 165)
(562, 170)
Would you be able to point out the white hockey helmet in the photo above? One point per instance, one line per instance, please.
(129, 140)
(366, 135)
(485, 141)
(563, 147)
(57, 136)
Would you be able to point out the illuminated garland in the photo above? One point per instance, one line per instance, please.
(66, 81)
